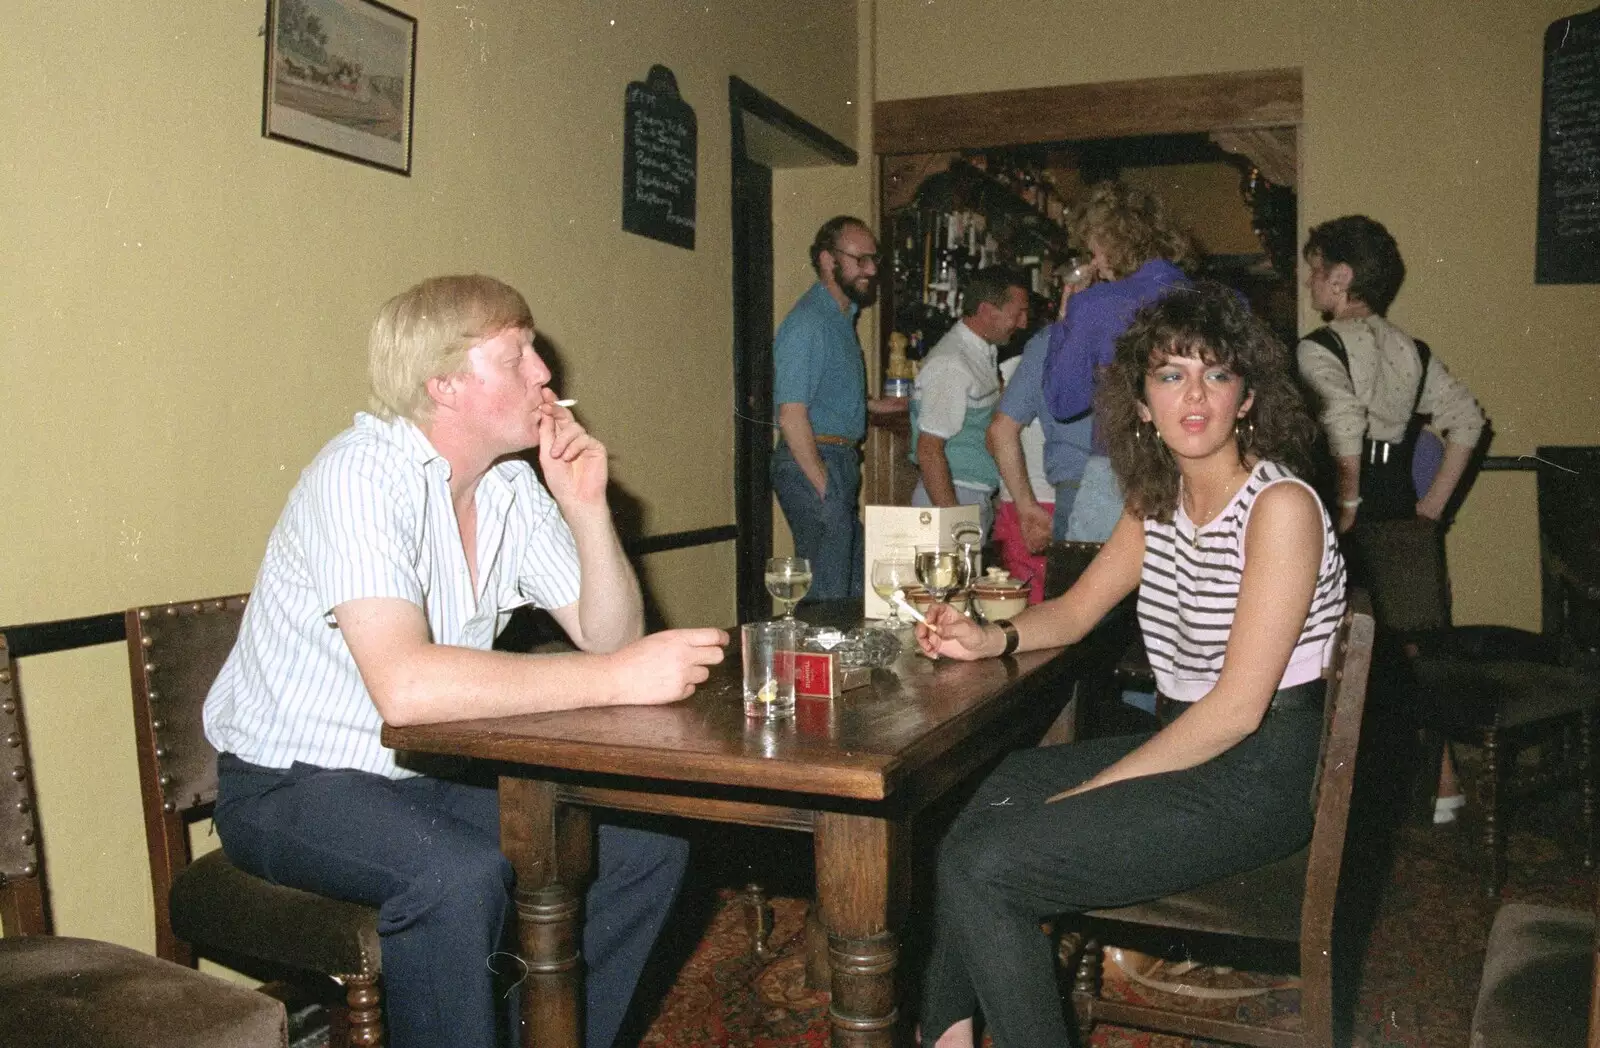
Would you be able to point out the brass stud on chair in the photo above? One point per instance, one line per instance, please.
(8, 708)
(19, 774)
(14, 739)
(144, 614)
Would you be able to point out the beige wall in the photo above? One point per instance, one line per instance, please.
(183, 308)
(1424, 115)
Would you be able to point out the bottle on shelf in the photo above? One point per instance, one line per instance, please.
(897, 375)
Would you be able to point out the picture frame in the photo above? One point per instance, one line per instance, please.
(339, 79)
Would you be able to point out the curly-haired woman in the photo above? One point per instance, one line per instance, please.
(1138, 255)
(1241, 589)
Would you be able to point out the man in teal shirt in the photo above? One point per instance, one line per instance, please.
(819, 394)
(956, 391)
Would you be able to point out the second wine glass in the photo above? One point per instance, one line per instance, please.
(788, 579)
(942, 570)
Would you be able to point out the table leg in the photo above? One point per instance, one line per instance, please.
(549, 847)
(862, 883)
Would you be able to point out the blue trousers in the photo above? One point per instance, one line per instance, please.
(1066, 495)
(827, 530)
(1010, 860)
(1098, 507)
(426, 852)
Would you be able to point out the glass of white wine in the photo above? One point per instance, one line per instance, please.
(894, 572)
(788, 580)
(942, 570)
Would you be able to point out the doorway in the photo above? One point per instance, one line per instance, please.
(765, 136)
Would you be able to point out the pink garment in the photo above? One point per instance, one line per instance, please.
(1012, 548)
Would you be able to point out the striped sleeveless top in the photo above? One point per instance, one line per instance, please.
(1189, 588)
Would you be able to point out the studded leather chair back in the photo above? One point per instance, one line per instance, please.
(180, 651)
(175, 651)
(22, 910)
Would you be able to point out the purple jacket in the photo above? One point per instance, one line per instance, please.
(1085, 340)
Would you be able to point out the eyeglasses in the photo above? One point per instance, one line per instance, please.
(873, 258)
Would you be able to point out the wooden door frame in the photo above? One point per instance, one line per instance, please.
(802, 144)
(1159, 106)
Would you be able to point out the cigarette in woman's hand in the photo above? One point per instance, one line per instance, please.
(899, 597)
(565, 403)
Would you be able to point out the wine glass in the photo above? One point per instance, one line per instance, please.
(942, 570)
(894, 572)
(788, 579)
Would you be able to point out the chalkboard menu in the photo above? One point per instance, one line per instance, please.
(1569, 154)
(658, 161)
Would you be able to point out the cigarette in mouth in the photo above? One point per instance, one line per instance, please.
(565, 403)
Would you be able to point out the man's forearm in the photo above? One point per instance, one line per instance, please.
(795, 422)
(935, 471)
(610, 606)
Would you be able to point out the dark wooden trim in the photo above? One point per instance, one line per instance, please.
(44, 638)
(743, 97)
(1159, 106)
(681, 540)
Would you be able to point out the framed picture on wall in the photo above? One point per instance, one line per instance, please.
(339, 79)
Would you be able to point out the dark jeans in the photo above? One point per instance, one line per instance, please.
(1010, 861)
(827, 530)
(426, 853)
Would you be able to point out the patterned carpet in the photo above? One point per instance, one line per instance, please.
(1415, 924)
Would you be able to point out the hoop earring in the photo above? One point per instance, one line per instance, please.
(1139, 427)
(1244, 433)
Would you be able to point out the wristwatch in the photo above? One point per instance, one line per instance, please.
(1012, 637)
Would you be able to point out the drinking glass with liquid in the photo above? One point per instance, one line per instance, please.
(788, 580)
(942, 570)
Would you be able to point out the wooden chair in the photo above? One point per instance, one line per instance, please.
(1286, 903)
(77, 993)
(1569, 549)
(207, 904)
(1497, 688)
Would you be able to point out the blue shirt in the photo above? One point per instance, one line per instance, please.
(1066, 444)
(1086, 340)
(816, 361)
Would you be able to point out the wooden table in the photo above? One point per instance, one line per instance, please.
(852, 772)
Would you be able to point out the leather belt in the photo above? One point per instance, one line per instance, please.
(829, 438)
(1307, 696)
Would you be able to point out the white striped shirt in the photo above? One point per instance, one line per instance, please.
(372, 517)
(1189, 590)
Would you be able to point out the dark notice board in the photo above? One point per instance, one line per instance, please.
(658, 160)
(1569, 154)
